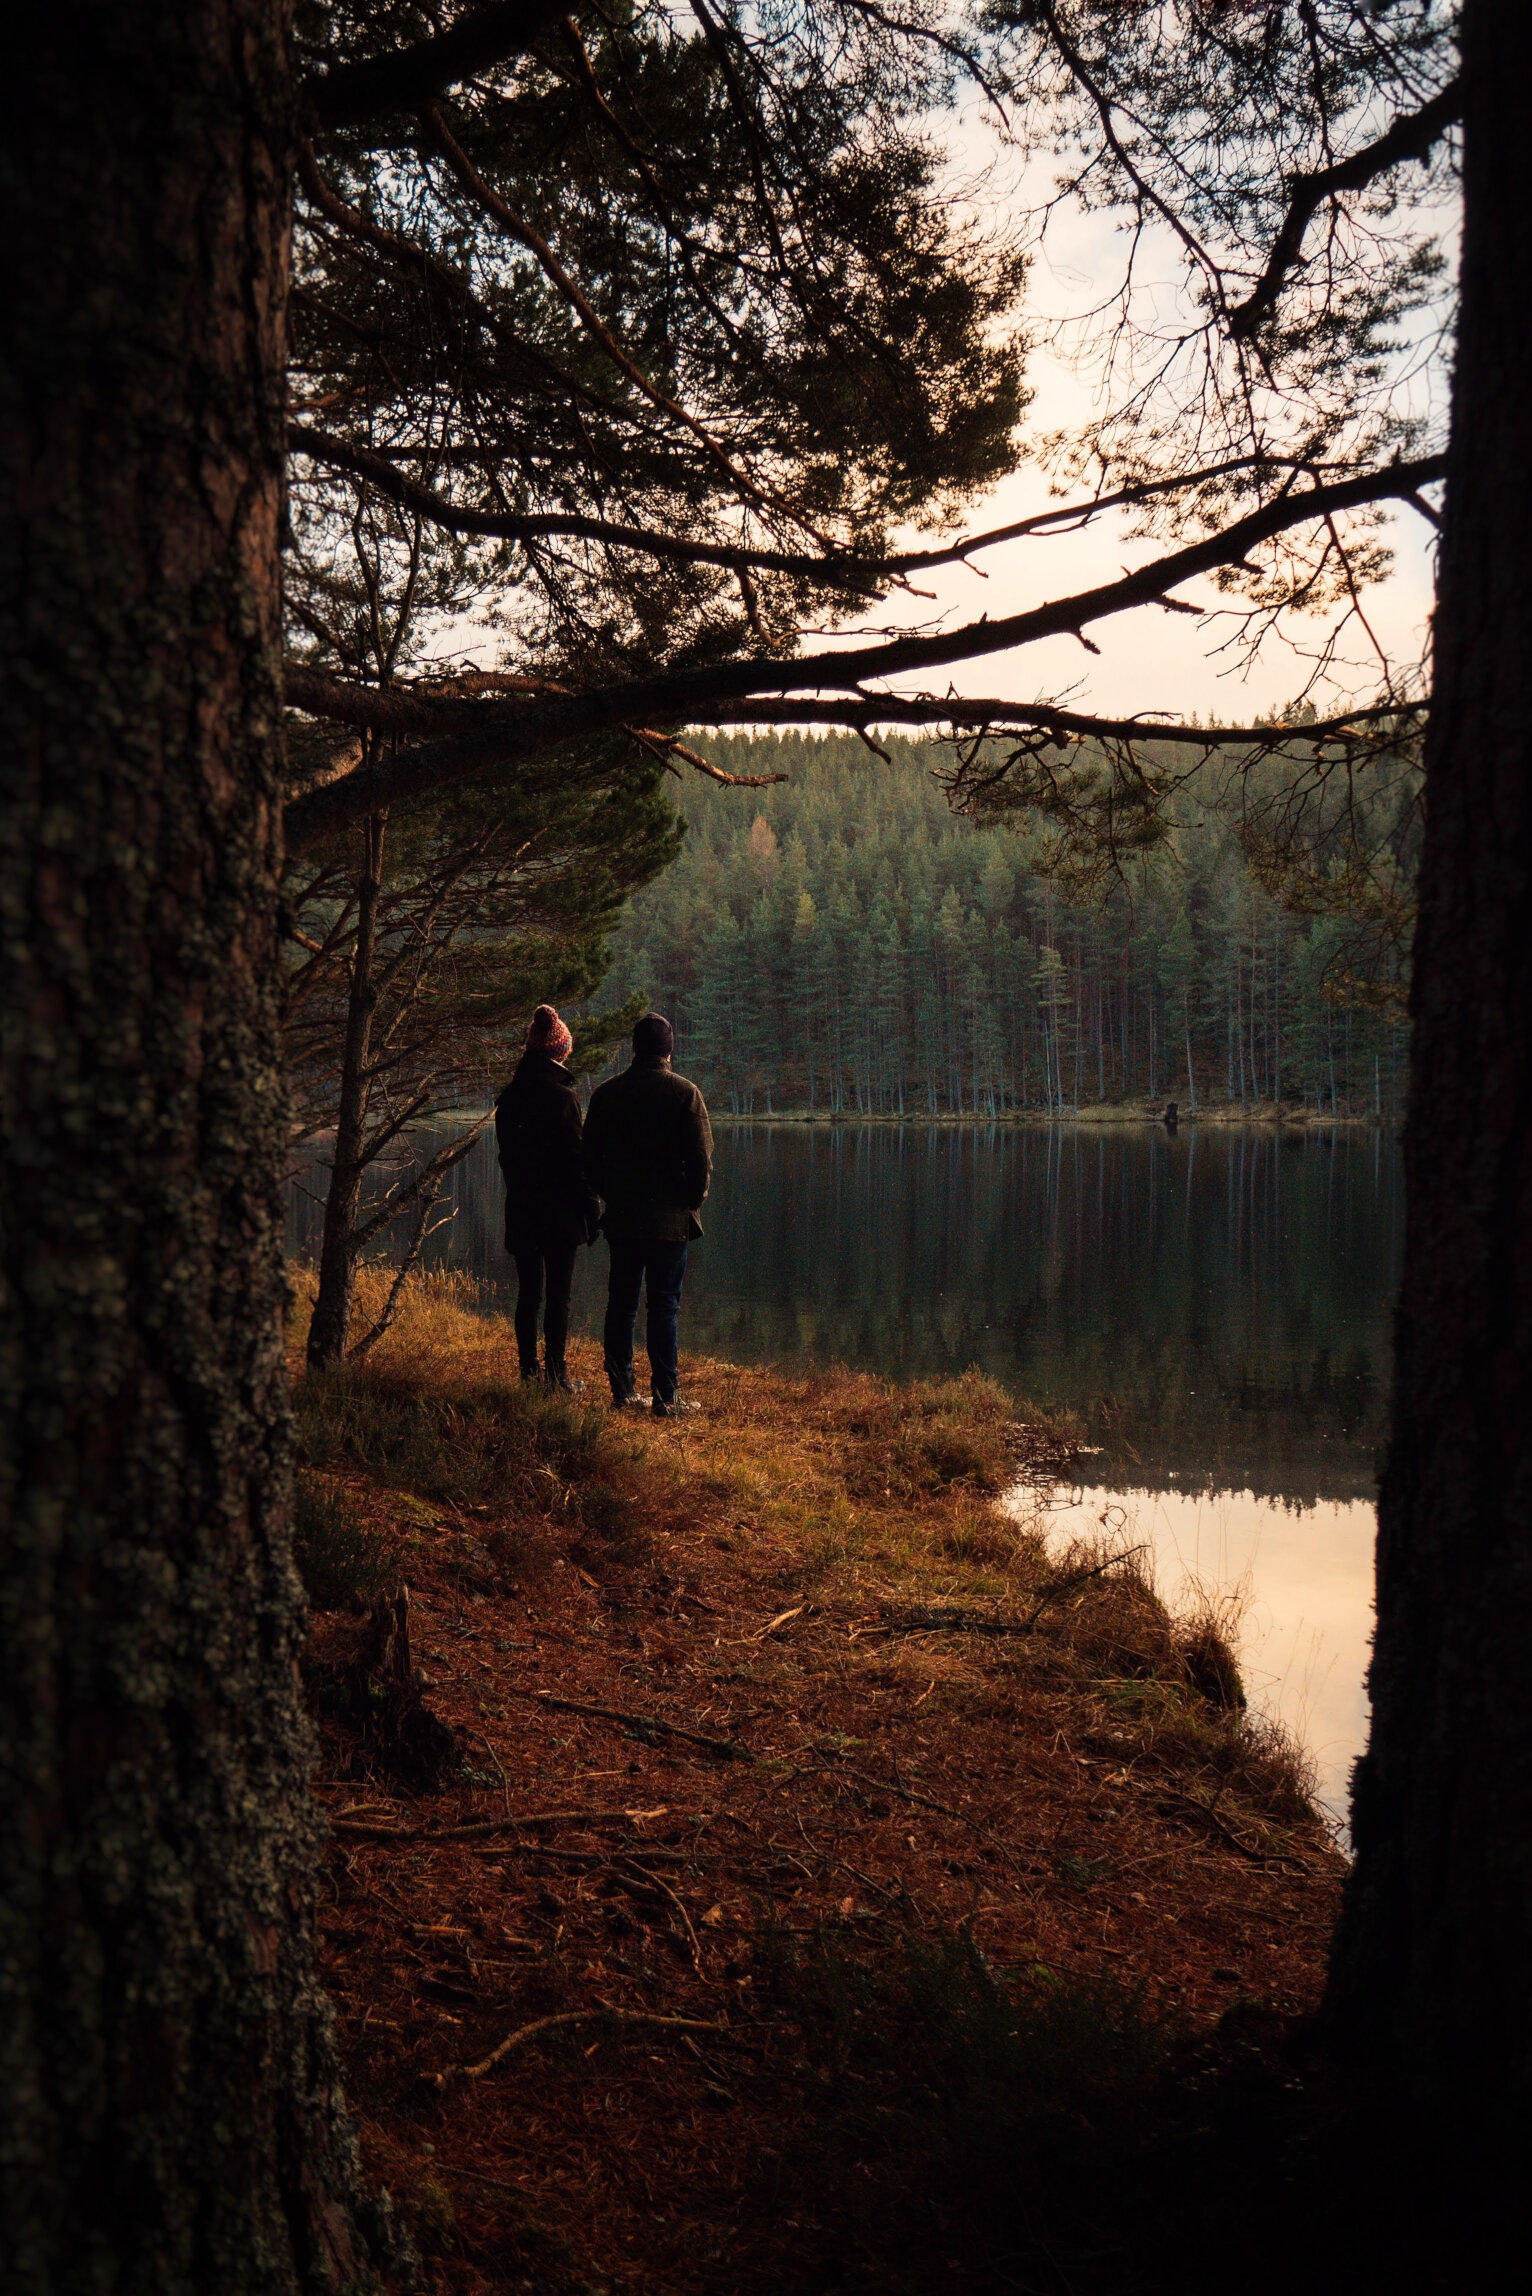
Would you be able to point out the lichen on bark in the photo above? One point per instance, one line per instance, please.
(170, 2118)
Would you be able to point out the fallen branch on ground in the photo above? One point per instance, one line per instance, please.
(639, 1878)
(1010, 1857)
(538, 2025)
(641, 1725)
(1226, 1833)
(971, 1622)
(360, 1830)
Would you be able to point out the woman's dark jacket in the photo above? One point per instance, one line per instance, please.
(538, 1126)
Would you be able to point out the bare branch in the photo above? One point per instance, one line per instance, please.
(1410, 137)
(1005, 717)
(510, 526)
(505, 738)
(665, 745)
(847, 568)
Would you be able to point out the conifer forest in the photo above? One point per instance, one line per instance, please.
(844, 943)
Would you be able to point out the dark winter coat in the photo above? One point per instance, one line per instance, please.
(649, 1153)
(538, 1127)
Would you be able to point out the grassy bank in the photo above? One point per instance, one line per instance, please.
(865, 1885)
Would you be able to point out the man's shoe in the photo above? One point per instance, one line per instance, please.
(630, 1402)
(558, 1382)
(677, 1408)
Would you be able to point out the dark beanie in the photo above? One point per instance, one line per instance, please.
(654, 1038)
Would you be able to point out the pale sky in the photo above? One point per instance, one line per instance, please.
(1149, 660)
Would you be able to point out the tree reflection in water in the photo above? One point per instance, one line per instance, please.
(1215, 1303)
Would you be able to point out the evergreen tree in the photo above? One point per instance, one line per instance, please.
(891, 952)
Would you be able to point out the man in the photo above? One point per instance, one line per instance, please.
(648, 1154)
(549, 1211)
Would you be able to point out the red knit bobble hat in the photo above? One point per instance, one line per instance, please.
(547, 1033)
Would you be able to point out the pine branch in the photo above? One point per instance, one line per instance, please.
(517, 228)
(1409, 138)
(401, 709)
(405, 78)
(848, 568)
(506, 738)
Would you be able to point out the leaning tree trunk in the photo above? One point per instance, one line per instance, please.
(1432, 1978)
(167, 2088)
(331, 1319)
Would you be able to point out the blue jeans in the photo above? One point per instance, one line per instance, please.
(639, 1262)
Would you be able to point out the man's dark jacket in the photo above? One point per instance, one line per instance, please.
(537, 1125)
(648, 1153)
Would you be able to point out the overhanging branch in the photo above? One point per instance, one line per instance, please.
(1006, 717)
(848, 569)
(406, 709)
(504, 738)
(407, 77)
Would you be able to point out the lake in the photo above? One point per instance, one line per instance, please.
(1215, 1305)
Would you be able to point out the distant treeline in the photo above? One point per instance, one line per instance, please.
(844, 943)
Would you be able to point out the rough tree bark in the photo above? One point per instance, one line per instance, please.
(1432, 1976)
(338, 1248)
(167, 2087)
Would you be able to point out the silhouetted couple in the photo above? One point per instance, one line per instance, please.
(636, 1172)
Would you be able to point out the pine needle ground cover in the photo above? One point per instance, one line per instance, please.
(811, 1858)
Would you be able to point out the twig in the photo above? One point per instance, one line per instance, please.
(538, 2025)
(505, 1787)
(361, 1831)
(887, 1786)
(641, 1725)
(472, 2176)
(1227, 1833)
(899, 1897)
(653, 1881)
(925, 1802)
(584, 1858)
(965, 1622)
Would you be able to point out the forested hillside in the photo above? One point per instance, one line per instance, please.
(843, 943)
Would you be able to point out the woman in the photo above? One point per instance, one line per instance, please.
(549, 1211)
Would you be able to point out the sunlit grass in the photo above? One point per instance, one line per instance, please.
(848, 1490)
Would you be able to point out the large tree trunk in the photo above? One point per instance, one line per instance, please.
(1432, 1978)
(171, 2120)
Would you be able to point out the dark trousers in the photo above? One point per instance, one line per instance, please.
(538, 1265)
(660, 1269)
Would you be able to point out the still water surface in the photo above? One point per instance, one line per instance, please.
(1214, 1305)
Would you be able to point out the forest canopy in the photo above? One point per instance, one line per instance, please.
(693, 407)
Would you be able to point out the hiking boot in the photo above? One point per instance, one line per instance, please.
(630, 1402)
(558, 1381)
(677, 1408)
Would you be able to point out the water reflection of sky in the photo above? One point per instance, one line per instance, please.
(1298, 1583)
(1215, 1306)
